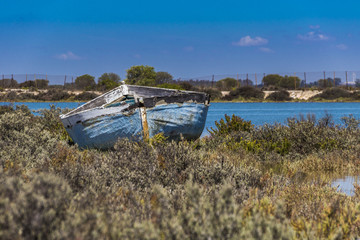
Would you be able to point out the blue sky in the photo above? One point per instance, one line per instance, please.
(185, 38)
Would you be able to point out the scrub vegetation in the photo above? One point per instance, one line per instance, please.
(85, 87)
(241, 182)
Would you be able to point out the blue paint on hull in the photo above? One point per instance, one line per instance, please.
(173, 120)
(103, 132)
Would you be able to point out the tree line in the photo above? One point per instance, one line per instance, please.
(147, 76)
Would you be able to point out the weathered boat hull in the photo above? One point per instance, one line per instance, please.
(176, 116)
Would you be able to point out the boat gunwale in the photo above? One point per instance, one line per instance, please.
(74, 111)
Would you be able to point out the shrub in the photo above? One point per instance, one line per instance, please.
(281, 95)
(243, 182)
(85, 96)
(6, 108)
(170, 86)
(33, 210)
(214, 93)
(333, 93)
(10, 96)
(53, 95)
(246, 92)
(231, 124)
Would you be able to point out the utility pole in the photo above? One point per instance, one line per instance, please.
(346, 80)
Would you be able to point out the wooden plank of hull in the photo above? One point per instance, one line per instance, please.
(99, 123)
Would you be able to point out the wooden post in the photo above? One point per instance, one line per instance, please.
(346, 79)
(334, 78)
(305, 79)
(255, 81)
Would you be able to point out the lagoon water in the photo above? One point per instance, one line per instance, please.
(258, 113)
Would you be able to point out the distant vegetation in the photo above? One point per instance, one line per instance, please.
(226, 89)
(247, 93)
(337, 93)
(279, 96)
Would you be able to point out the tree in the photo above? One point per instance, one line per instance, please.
(163, 77)
(246, 82)
(226, 84)
(8, 83)
(108, 81)
(110, 76)
(85, 81)
(272, 79)
(27, 84)
(329, 82)
(141, 75)
(357, 83)
(289, 82)
(41, 83)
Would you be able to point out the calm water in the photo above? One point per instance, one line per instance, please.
(259, 113)
(346, 184)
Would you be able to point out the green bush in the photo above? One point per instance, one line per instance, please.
(170, 86)
(246, 92)
(85, 96)
(281, 95)
(333, 93)
(214, 93)
(35, 209)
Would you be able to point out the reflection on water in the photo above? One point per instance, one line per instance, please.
(346, 184)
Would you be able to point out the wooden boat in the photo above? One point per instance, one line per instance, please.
(137, 113)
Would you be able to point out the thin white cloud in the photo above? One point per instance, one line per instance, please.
(342, 46)
(314, 26)
(313, 36)
(188, 48)
(248, 41)
(266, 50)
(68, 56)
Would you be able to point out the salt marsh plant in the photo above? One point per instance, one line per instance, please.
(242, 182)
